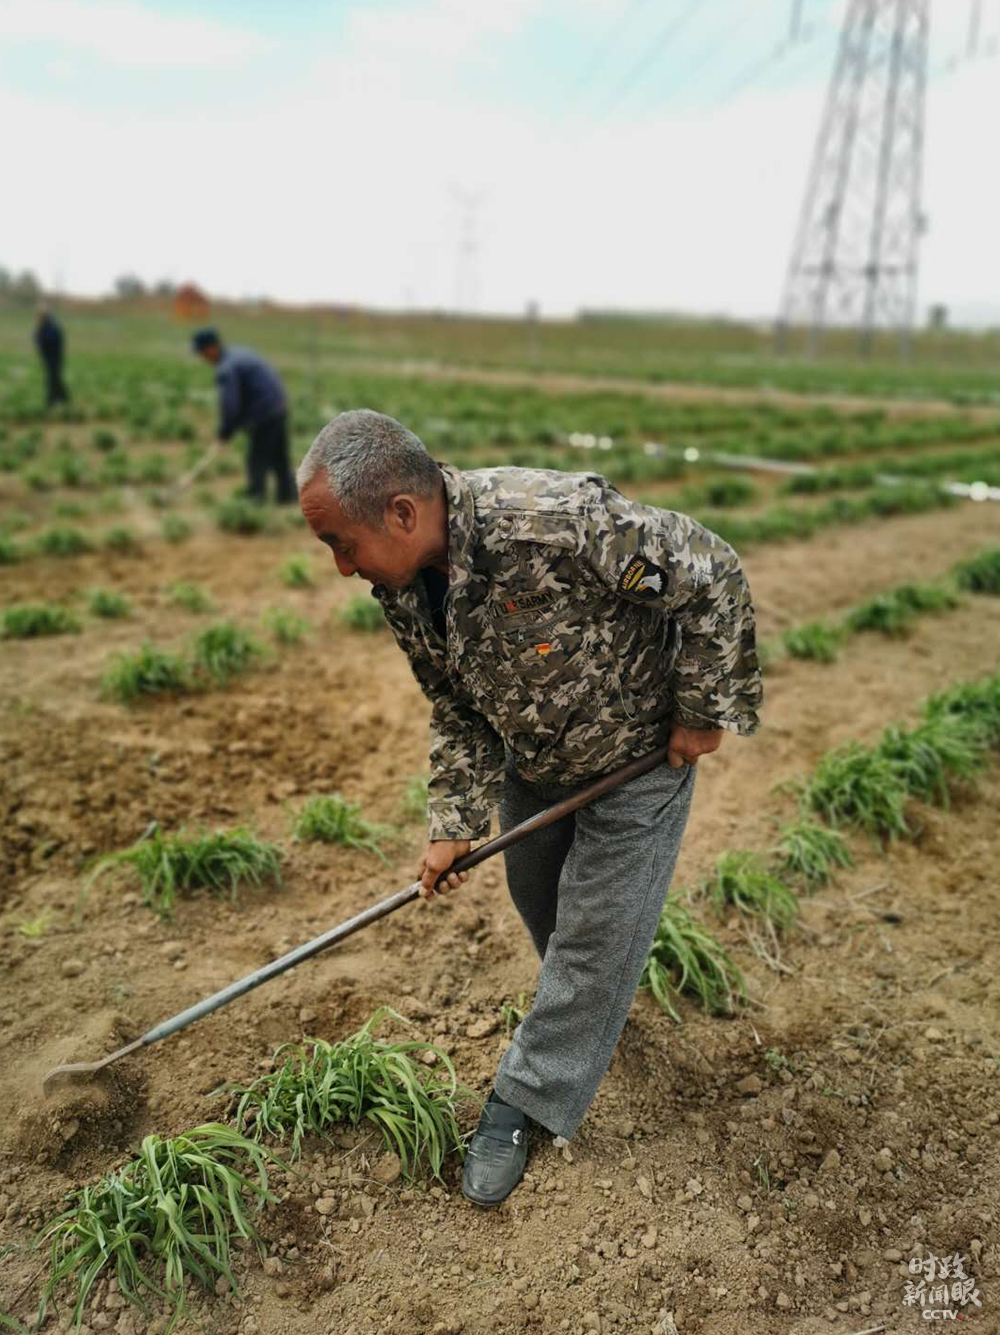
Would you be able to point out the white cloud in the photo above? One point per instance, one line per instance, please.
(126, 33)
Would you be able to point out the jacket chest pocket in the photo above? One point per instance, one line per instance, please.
(551, 657)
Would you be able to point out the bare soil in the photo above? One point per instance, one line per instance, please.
(767, 1175)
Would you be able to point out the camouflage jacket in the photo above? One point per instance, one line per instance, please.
(580, 626)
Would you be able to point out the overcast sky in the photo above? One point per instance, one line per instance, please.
(648, 153)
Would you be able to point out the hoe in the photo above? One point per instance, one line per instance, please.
(82, 1071)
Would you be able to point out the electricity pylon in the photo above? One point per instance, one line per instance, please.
(854, 261)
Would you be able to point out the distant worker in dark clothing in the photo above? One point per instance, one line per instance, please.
(50, 343)
(253, 398)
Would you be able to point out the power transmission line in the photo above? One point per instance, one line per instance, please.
(666, 37)
(708, 53)
(601, 54)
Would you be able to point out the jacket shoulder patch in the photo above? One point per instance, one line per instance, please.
(642, 579)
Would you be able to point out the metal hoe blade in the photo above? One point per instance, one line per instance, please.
(85, 1070)
(78, 1071)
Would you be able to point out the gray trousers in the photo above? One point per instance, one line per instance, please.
(590, 890)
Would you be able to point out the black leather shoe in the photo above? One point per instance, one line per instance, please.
(497, 1154)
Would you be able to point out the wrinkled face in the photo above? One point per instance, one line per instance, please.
(391, 556)
(210, 354)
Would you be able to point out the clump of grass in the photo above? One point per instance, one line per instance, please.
(854, 786)
(64, 542)
(685, 958)
(105, 603)
(977, 703)
(887, 614)
(296, 572)
(33, 928)
(36, 619)
(169, 1217)
(361, 613)
(981, 574)
(10, 552)
(360, 1079)
(926, 597)
(513, 1012)
(225, 650)
(730, 491)
(173, 865)
(148, 671)
(175, 529)
(192, 597)
(416, 797)
(332, 820)
(123, 541)
(928, 758)
(814, 640)
(286, 627)
(812, 851)
(102, 439)
(241, 516)
(742, 879)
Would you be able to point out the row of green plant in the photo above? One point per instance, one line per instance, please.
(853, 787)
(891, 613)
(956, 466)
(784, 524)
(173, 1215)
(169, 866)
(869, 787)
(218, 654)
(149, 671)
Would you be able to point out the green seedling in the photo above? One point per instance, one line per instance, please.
(512, 1013)
(360, 1080)
(929, 758)
(685, 958)
(926, 597)
(167, 1219)
(224, 651)
(191, 597)
(977, 703)
(296, 572)
(854, 786)
(363, 614)
(415, 797)
(241, 516)
(742, 879)
(815, 641)
(36, 927)
(887, 614)
(178, 865)
(175, 529)
(812, 851)
(64, 542)
(286, 627)
(123, 541)
(148, 671)
(104, 603)
(982, 574)
(332, 820)
(10, 552)
(34, 620)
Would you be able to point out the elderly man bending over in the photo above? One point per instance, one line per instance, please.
(559, 630)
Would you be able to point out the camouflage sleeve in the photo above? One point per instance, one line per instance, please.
(466, 759)
(671, 561)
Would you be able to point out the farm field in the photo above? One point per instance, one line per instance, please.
(772, 1171)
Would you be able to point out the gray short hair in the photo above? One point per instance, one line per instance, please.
(368, 458)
